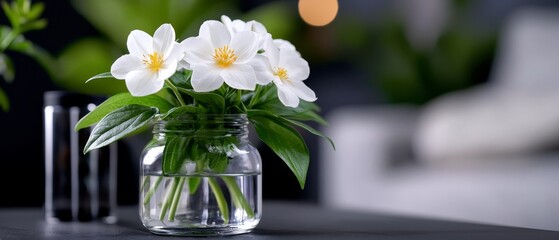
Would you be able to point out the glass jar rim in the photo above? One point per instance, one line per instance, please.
(190, 116)
(214, 124)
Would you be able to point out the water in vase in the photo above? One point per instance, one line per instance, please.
(201, 204)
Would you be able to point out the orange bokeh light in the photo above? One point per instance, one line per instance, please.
(318, 12)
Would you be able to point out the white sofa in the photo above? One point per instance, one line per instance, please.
(486, 154)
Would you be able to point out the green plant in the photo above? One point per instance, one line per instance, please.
(23, 17)
(459, 57)
(232, 67)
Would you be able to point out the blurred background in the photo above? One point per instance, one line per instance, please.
(438, 108)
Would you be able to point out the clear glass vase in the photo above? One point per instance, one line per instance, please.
(200, 176)
(78, 187)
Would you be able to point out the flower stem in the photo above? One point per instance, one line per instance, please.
(221, 202)
(255, 97)
(176, 199)
(175, 91)
(152, 190)
(193, 184)
(238, 198)
(240, 99)
(169, 198)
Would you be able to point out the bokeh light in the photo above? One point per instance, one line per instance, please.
(318, 12)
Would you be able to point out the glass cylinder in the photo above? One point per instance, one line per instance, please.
(78, 187)
(200, 176)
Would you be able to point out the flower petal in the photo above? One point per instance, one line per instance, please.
(139, 43)
(262, 69)
(238, 26)
(167, 70)
(239, 77)
(245, 46)
(271, 51)
(284, 44)
(197, 50)
(125, 64)
(143, 82)
(177, 53)
(227, 22)
(164, 40)
(302, 91)
(257, 27)
(216, 33)
(297, 67)
(287, 97)
(205, 78)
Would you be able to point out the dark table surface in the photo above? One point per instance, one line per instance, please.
(281, 220)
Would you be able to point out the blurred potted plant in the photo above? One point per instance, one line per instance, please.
(23, 17)
(457, 56)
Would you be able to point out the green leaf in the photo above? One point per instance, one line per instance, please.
(217, 161)
(167, 94)
(182, 79)
(285, 141)
(4, 101)
(178, 111)
(312, 130)
(12, 16)
(293, 122)
(4, 31)
(174, 154)
(210, 100)
(118, 101)
(36, 10)
(6, 68)
(117, 124)
(20, 44)
(307, 116)
(99, 76)
(306, 111)
(21, 5)
(34, 25)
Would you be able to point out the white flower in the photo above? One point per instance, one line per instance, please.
(280, 43)
(288, 70)
(217, 56)
(150, 62)
(236, 26)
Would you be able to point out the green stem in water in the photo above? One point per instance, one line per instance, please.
(144, 184)
(169, 198)
(238, 198)
(176, 198)
(152, 190)
(221, 202)
(175, 91)
(193, 184)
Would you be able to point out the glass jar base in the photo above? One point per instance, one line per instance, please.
(200, 232)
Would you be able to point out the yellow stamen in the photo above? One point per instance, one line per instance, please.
(224, 56)
(153, 61)
(282, 74)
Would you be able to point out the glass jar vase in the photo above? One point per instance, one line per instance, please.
(200, 176)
